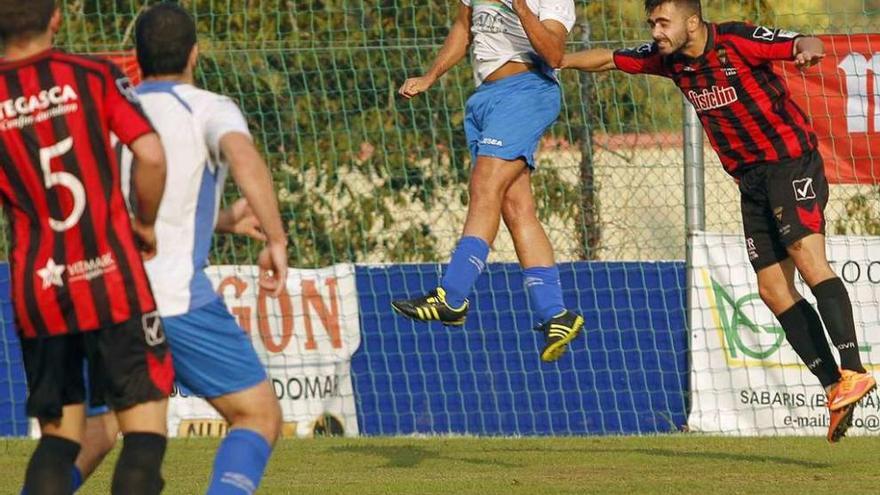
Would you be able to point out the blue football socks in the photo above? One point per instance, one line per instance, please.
(545, 291)
(467, 263)
(239, 463)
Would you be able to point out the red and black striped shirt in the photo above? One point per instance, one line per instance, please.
(745, 107)
(75, 266)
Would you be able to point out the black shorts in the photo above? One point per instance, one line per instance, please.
(781, 204)
(128, 364)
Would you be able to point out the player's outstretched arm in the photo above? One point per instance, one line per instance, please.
(253, 178)
(148, 185)
(595, 60)
(547, 37)
(808, 51)
(454, 49)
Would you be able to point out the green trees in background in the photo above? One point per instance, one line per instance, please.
(355, 165)
(862, 215)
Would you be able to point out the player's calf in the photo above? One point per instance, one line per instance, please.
(240, 462)
(99, 439)
(138, 470)
(254, 415)
(49, 470)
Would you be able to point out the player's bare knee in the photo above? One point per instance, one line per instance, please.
(485, 191)
(776, 296)
(767, 295)
(274, 423)
(259, 411)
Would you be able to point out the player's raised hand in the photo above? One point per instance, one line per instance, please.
(415, 85)
(520, 6)
(807, 59)
(273, 268)
(144, 238)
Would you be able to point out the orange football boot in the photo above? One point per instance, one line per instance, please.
(839, 420)
(851, 388)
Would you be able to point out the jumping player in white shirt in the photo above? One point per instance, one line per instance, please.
(517, 45)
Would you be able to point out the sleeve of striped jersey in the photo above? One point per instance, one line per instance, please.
(124, 114)
(222, 117)
(561, 11)
(645, 59)
(762, 44)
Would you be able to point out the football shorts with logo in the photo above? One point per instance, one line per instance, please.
(128, 364)
(213, 356)
(782, 203)
(506, 118)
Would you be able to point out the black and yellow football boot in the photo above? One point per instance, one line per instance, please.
(559, 331)
(432, 307)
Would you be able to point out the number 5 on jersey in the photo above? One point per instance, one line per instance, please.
(63, 179)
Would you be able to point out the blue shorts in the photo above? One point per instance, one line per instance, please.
(506, 118)
(212, 355)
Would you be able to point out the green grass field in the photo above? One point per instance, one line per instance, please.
(529, 466)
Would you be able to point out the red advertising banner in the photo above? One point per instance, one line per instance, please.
(841, 95)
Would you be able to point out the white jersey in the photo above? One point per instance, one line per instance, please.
(498, 35)
(190, 121)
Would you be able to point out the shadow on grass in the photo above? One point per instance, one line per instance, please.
(678, 454)
(411, 456)
(725, 456)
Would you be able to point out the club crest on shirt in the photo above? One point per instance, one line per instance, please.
(722, 56)
(724, 60)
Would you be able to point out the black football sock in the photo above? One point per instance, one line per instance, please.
(50, 468)
(804, 332)
(836, 309)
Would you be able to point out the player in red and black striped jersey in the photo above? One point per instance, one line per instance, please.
(742, 103)
(765, 142)
(79, 288)
(73, 244)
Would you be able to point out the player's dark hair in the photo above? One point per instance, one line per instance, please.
(164, 37)
(693, 6)
(24, 18)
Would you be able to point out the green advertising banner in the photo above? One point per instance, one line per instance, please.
(745, 377)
